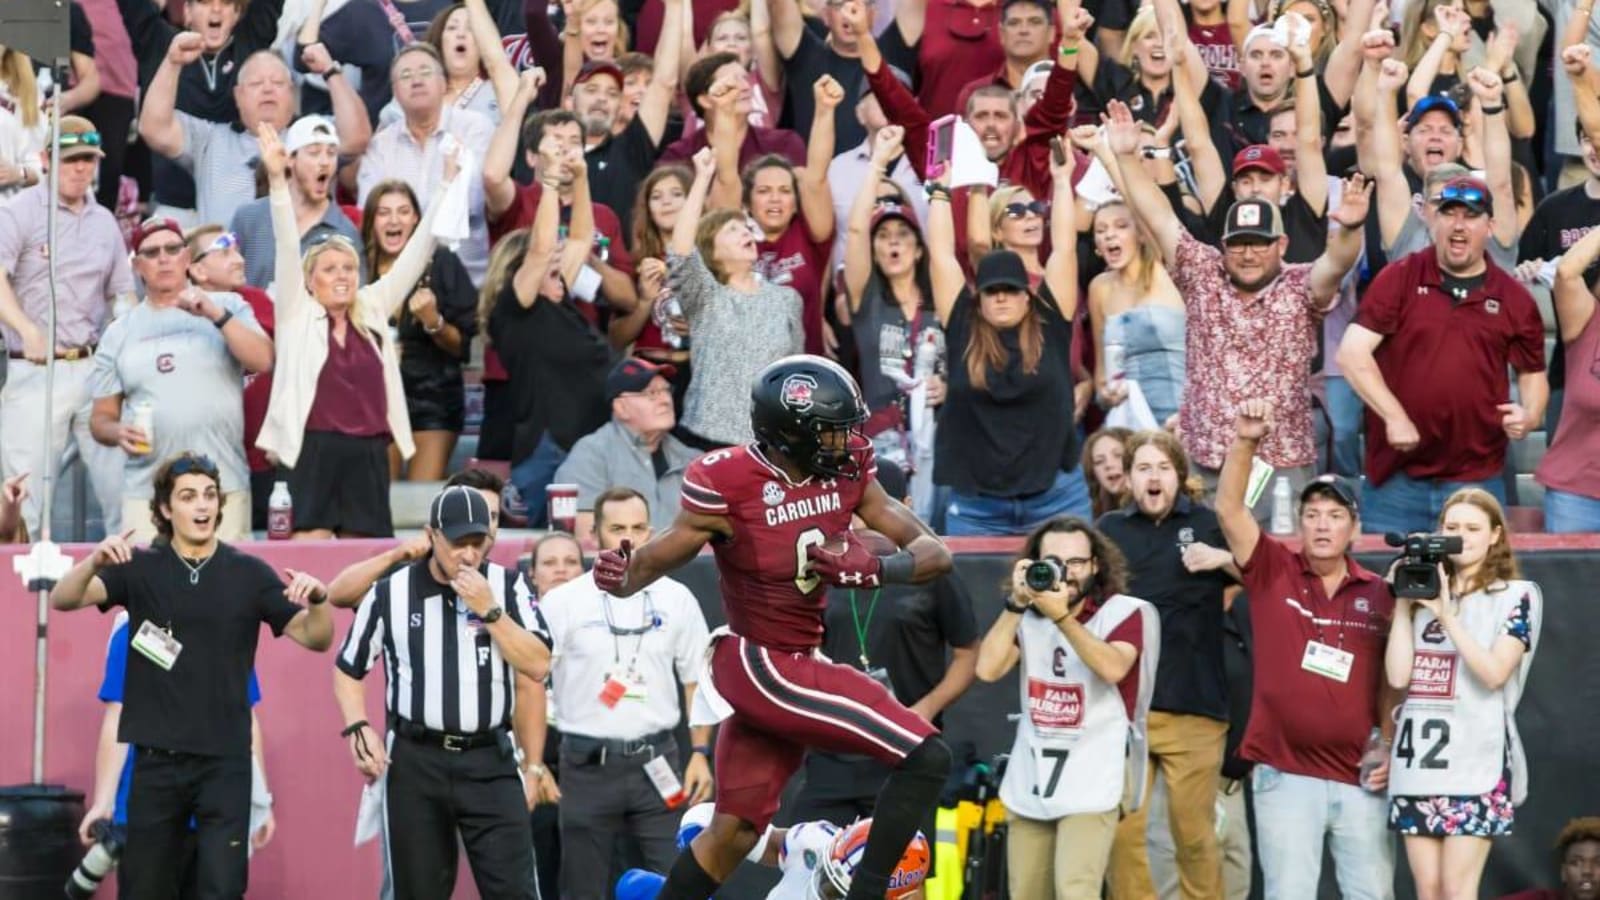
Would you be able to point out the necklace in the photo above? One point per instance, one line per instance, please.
(194, 570)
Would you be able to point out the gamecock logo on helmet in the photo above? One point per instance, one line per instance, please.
(797, 392)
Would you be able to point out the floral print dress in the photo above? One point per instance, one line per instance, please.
(1486, 815)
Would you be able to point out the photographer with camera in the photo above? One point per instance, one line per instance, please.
(1319, 620)
(1089, 655)
(1460, 648)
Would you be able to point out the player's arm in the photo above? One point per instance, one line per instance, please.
(922, 557)
(623, 573)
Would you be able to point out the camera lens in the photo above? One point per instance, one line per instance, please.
(1042, 575)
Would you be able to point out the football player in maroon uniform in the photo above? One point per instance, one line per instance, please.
(777, 514)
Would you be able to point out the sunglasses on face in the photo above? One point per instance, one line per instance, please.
(1018, 210)
(80, 139)
(191, 465)
(162, 250)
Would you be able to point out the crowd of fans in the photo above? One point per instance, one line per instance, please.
(1335, 233)
(733, 183)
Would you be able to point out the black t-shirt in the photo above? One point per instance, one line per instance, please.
(908, 629)
(199, 706)
(1191, 678)
(1559, 222)
(812, 59)
(618, 165)
(558, 365)
(79, 33)
(1010, 439)
(1307, 231)
(425, 367)
(1237, 122)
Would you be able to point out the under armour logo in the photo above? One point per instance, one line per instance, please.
(852, 578)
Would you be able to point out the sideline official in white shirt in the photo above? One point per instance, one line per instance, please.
(616, 669)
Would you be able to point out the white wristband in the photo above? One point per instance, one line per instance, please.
(760, 848)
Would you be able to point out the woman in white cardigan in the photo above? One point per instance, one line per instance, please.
(337, 400)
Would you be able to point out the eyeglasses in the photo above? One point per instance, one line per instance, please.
(1018, 210)
(224, 241)
(1076, 562)
(418, 72)
(80, 139)
(190, 464)
(1247, 248)
(162, 250)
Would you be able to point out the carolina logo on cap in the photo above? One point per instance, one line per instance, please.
(1252, 154)
(1249, 216)
(797, 391)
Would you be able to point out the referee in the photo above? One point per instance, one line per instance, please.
(452, 627)
(195, 607)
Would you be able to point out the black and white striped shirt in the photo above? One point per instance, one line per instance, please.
(444, 671)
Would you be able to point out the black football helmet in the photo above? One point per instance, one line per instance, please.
(797, 402)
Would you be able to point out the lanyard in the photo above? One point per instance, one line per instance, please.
(1344, 610)
(861, 625)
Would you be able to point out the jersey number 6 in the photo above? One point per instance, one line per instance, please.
(804, 579)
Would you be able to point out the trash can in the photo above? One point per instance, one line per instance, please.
(38, 840)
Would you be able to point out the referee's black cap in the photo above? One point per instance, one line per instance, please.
(459, 512)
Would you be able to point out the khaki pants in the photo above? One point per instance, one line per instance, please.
(1234, 837)
(1188, 751)
(1063, 858)
(235, 525)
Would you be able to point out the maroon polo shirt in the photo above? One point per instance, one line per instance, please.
(1446, 363)
(1301, 722)
(758, 142)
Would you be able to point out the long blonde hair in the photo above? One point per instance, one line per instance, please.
(503, 263)
(1142, 24)
(16, 70)
(1145, 258)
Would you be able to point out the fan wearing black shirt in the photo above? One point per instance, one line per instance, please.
(195, 607)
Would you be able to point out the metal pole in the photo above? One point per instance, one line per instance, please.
(41, 643)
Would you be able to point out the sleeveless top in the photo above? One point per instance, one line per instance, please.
(1152, 338)
(1455, 736)
(1075, 742)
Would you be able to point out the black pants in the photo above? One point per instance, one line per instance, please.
(170, 789)
(432, 794)
(112, 117)
(602, 802)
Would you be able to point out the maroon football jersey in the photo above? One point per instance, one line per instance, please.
(769, 594)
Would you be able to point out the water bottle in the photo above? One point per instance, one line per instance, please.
(670, 335)
(1282, 506)
(280, 513)
(1372, 758)
(1116, 362)
(926, 360)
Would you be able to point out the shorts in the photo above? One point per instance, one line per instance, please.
(435, 401)
(787, 702)
(341, 483)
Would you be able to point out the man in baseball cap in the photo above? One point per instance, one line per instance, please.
(635, 449)
(459, 513)
(312, 143)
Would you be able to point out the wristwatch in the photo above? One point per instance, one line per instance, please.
(336, 69)
(493, 615)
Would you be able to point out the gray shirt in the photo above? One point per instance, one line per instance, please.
(92, 267)
(179, 363)
(735, 334)
(253, 224)
(612, 456)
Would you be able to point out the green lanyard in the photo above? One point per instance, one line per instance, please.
(861, 626)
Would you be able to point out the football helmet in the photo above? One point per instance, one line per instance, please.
(811, 410)
(831, 880)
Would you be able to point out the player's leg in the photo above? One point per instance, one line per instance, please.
(751, 770)
(819, 704)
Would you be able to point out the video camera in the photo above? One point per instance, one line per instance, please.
(1417, 575)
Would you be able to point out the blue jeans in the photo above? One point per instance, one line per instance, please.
(533, 474)
(1294, 813)
(1565, 513)
(1345, 416)
(979, 514)
(1408, 505)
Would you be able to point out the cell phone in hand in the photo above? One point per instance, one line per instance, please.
(941, 146)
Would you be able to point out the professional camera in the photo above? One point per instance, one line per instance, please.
(1044, 574)
(1417, 575)
(98, 862)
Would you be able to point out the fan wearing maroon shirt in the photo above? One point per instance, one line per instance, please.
(1578, 849)
(774, 512)
(1321, 622)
